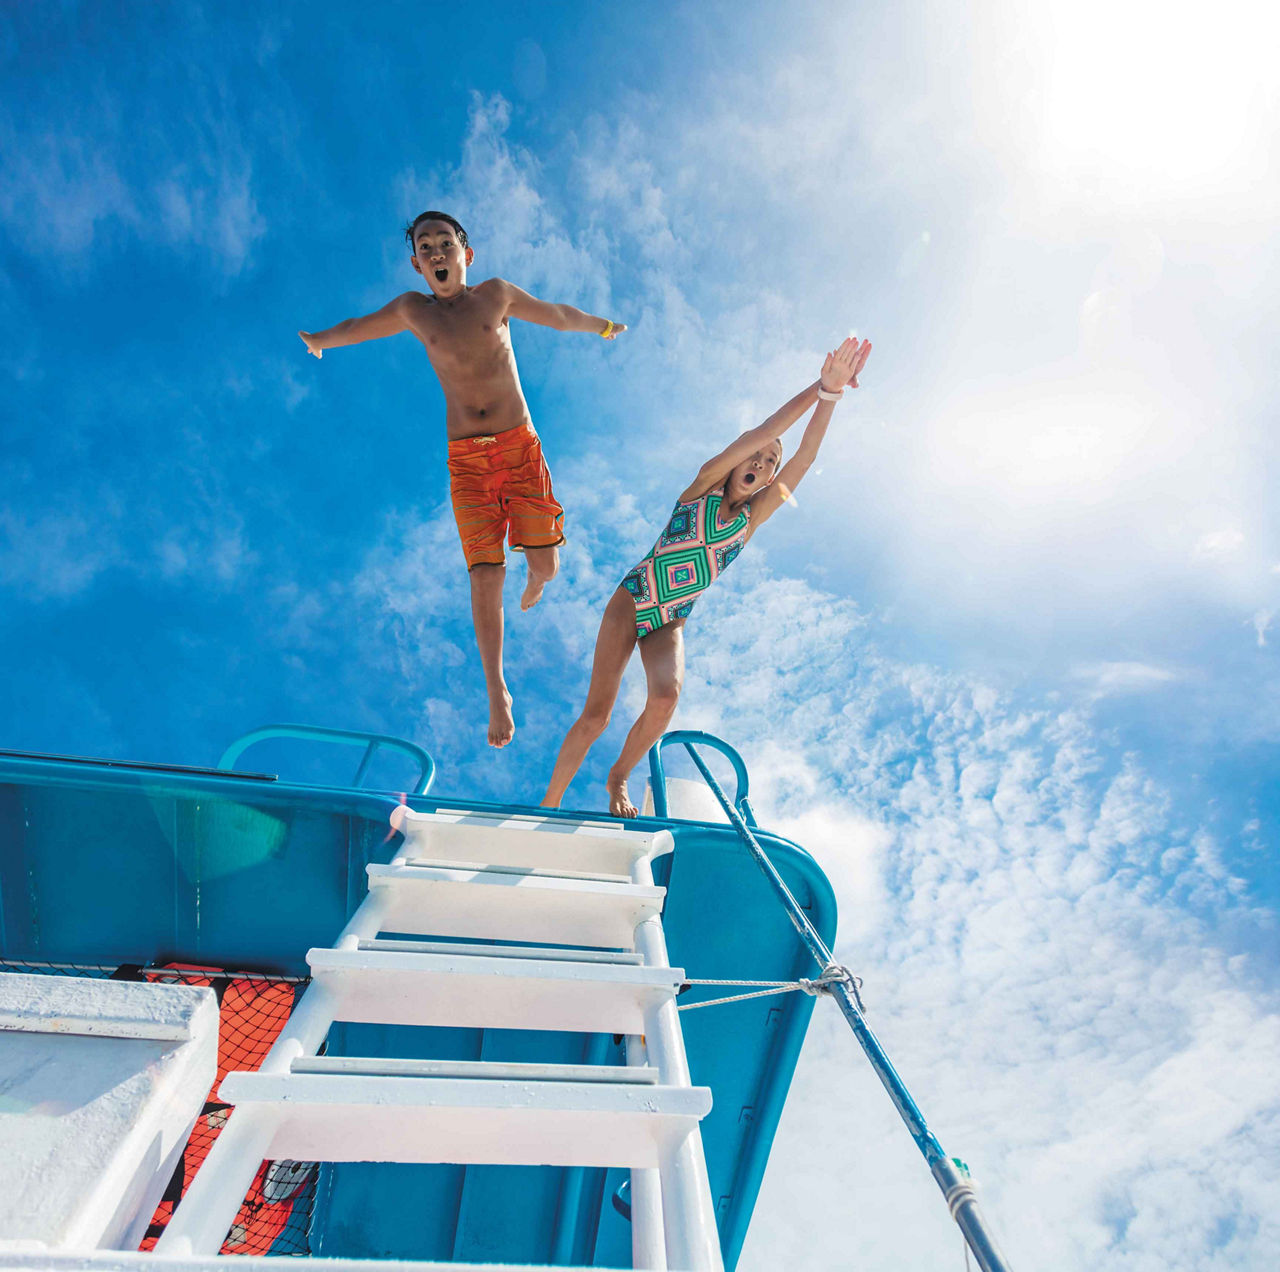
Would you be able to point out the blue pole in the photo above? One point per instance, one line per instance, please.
(958, 1193)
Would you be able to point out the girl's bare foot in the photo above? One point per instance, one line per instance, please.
(502, 725)
(620, 804)
(532, 593)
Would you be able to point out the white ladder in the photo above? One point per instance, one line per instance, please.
(587, 888)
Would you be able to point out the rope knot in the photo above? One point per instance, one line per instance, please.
(834, 974)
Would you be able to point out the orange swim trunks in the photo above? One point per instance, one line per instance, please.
(501, 485)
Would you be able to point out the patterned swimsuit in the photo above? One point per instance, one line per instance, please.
(688, 557)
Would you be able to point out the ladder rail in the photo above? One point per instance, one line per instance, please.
(648, 1235)
(691, 1236)
(203, 1217)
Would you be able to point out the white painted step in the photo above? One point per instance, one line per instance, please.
(344, 1118)
(472, 990)
(483, 1070)
(436, 901)
(527, 841)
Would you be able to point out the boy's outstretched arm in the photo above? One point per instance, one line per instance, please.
(714, 471)
(559, 317)
(387, 321)
(840, 369)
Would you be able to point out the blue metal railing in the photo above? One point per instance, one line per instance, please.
(950, 1177)
(343, 737)
(690, 738)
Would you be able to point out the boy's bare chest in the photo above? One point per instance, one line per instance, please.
(467, 336)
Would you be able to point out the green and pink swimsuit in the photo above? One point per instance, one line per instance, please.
(689, 556)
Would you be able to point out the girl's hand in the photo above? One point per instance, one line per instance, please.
(311, 349)
(842, 366)
(860, 361)
(838, 366)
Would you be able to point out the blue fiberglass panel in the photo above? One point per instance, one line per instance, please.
(85, 870)
(107, 867)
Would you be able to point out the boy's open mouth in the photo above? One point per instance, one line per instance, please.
(441, 275)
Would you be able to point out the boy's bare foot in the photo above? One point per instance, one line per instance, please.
(620, 804)
(502, 724)
(532, 593)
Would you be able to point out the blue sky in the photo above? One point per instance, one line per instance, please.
(1009, 666)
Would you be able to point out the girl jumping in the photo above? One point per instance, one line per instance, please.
(733, 495)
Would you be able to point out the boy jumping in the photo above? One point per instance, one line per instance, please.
(498, 479)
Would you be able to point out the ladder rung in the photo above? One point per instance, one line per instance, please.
(342, 1117)
(529, 842)
(570, 824)
(486, 1070)
(540, 872)
(544, 953)
(434, 901)
(469, 991)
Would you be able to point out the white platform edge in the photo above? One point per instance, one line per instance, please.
(100, 1008)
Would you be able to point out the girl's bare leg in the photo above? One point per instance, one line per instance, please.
(662, 653)
(614, 644)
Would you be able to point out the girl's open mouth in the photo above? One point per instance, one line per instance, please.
(748, 478)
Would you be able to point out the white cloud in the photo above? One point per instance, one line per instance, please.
(1216, 545)
(55, 554)
(82, 176)
(1125, 677)
(1022, 907)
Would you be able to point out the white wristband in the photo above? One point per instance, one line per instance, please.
(829, 397)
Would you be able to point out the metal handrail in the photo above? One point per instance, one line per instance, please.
(344, 737)
(690, 737)
(950, 1177)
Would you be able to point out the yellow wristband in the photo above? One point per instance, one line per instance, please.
(608, 329)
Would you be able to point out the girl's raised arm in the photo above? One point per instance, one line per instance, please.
(714, 471)
(840, 369)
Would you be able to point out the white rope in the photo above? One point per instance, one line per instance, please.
(959, 1195)
(833, 974)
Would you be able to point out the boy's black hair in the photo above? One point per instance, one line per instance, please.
(433, 216)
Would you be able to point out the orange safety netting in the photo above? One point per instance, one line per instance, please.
(252, 1011)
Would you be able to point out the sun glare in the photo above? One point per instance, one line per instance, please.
(1157, 96)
